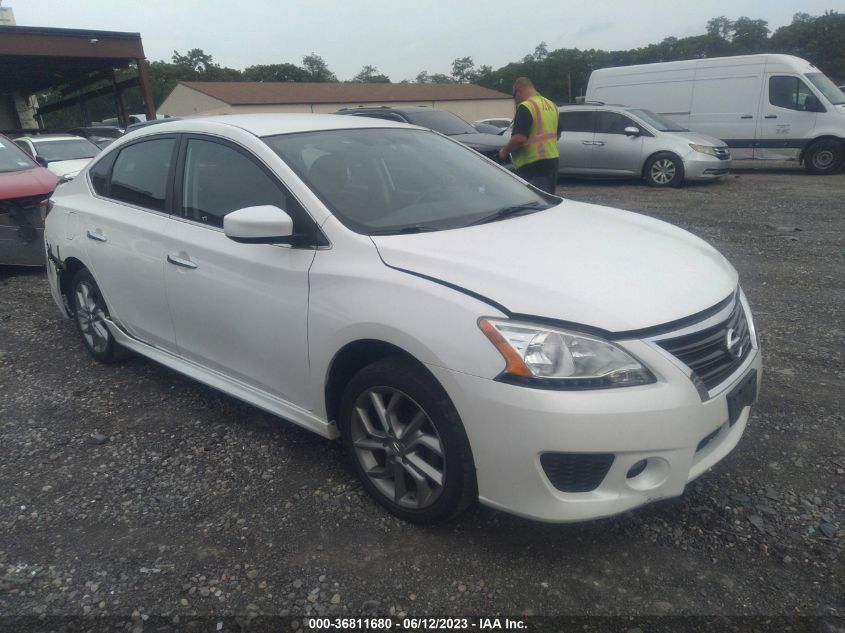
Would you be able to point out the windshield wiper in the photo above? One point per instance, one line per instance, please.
(508, 212)
(405, 230)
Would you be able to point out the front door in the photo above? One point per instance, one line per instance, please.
(239, 309)
(614, 152)
(786, 123)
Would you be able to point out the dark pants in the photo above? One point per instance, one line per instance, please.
(542, 174)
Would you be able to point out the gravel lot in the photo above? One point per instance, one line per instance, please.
(131, 489)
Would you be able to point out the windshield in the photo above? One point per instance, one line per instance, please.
(401, 180)
(12, 158)
(827, 88)
(440, 121)
(65, 149)
(659, 123)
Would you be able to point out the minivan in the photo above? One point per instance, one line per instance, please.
(763, 106)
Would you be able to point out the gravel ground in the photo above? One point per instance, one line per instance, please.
(131, 489)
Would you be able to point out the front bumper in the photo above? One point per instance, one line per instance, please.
(698, 166)
(510, 427)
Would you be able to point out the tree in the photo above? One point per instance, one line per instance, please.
(317, 68)
(196, 58)
(541, 51)
(424, 78)
(463, 70)
(371, 74)
(720, 27)
(749, 36)
(275, 72)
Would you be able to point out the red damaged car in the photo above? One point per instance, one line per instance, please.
(25, 187)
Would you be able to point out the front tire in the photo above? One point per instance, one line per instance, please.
(664, 170)
(825, 157)
(405, 441)
(90, 313)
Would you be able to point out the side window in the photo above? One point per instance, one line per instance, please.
(99, 175)
(577, 121)
(788, 92)
(612, 123)
(140, 174)
(219, 180)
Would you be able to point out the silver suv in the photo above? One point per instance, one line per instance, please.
(618, 141)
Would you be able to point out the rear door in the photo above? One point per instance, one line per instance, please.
(614, 152)
(127, 230)
(239, 309)
(576, 141)
(786, 124)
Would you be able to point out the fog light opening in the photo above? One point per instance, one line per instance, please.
(648, 474)
(637, 468)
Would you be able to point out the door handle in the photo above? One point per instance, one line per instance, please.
(587, 143)
(178, 261)
(771, 116)
(96, 237)
(746, 116)
(598, 142)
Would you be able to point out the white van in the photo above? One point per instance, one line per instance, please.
(762, 106)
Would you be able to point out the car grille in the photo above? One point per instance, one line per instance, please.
(576, 472)
(722, 153)
(706, 351)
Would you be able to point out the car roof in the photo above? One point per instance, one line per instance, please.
(41, 138)
(390, 108)
(267, 124)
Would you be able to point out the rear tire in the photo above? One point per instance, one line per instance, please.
(664, 170)
(90, 312)
(825, 157)
(405, 441)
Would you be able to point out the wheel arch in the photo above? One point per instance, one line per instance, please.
(72, 265)
(350, 359)
(818, 139)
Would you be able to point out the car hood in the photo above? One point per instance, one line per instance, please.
(488, 141)
(699, 139)
(586, 264)
(68, 168)
(29, 182)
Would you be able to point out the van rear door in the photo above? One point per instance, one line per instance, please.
(787, 124)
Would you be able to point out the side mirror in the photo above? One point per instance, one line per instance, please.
(631, 131)
(812, 104)
(41, 161)
(265, 224)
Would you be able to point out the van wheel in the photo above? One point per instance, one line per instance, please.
(664, 170)
(90, 312)
(406, 442)
(825, 157)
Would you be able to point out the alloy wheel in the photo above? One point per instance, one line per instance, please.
(91, 317)
(663, 171)
(398, 447)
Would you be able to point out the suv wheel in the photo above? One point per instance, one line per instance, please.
(406, 442)
(824, 157)
(90, 312)
(664, 170)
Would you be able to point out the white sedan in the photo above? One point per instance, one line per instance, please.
(62, 154)
(467, 336)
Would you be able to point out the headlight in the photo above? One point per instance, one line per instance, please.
(555, 358)
(704, 149)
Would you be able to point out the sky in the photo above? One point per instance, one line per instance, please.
(400, 38)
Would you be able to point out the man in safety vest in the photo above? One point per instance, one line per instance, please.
(533, 143)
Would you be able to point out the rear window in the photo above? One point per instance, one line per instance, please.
(66, 149)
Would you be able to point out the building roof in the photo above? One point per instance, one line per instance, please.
(273, 93)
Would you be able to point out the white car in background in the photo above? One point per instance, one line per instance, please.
(466, 335)
(62, 154)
